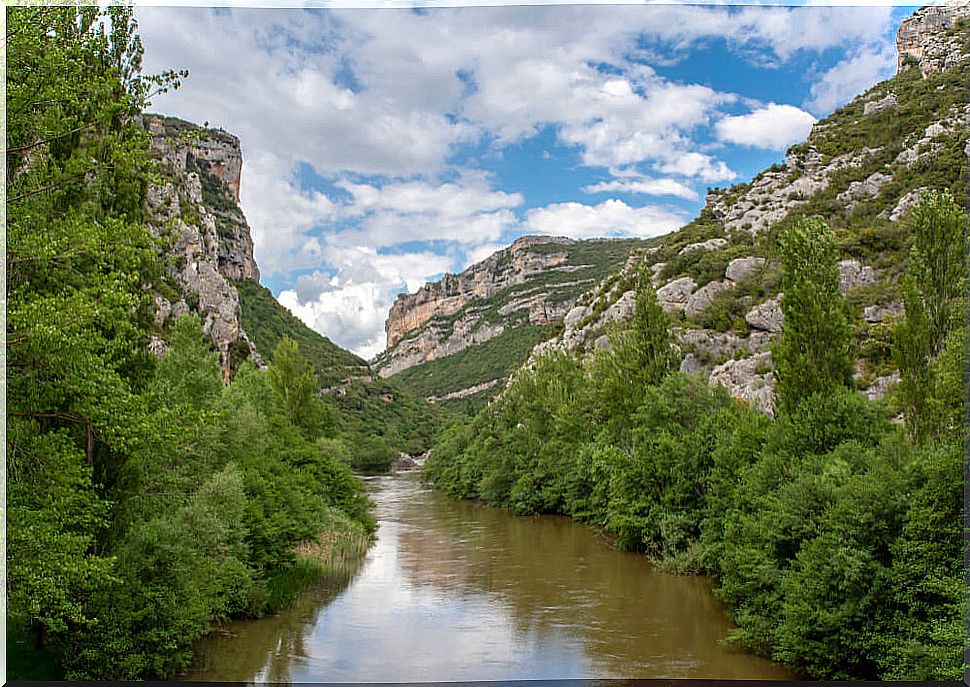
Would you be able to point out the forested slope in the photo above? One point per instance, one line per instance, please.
(148, 494)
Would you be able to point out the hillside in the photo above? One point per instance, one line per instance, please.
(268, 322)
(455, 340)
(861, 168)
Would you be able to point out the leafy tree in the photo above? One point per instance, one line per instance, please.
(815, 354)
(640, 355)
(929, 289)
(294, 385)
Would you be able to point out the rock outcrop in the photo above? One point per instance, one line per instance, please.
(924, 39)
(194, 208)
(508, 267)
(534, 282)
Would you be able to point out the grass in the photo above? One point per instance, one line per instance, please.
(267, 322)
(340, 543)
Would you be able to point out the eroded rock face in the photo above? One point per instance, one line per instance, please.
(195, 206)
(208, 165)
(513, 265)
(749, 378)
(922, 39)
(777, 192)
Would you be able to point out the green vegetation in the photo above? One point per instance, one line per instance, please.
(833, 533)
(492, 359)
(814, 354)
(145, 500)
(588, 263)
(267, 322)
(375, 419)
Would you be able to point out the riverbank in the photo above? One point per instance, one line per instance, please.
(453, 590)
(341, 542)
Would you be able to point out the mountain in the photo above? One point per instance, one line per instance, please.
(861, 169)
(454, 340)
(210, 270)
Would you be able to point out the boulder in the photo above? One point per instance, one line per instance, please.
(878, 313)
(674, 294)
(766, 316)
(710, 244)
(853, 274)
(888, 103)
(741, 268)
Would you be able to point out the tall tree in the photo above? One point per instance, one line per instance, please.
(815, 353)
(640, 354)
(929, 288)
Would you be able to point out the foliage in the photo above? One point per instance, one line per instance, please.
(929, 288)
(815, 352)
(145, 499)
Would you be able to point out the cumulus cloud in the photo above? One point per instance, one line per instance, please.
(645, 186)
(694, 164)
(351, 304)
(773, 126)
(612, 218)
(850, 77)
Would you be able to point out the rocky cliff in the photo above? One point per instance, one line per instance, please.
(465, 330)
(862, 169)
(508, 267)
(194, 208)
(929, 39)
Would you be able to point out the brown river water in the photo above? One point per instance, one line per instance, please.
(452, 590)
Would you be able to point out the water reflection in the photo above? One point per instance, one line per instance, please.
(456, 591)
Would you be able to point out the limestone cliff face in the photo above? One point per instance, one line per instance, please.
(925, 39)
(194, 209)
(508, 267)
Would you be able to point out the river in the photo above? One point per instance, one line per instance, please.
(453, 590)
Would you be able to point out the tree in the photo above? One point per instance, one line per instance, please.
(929, 288)
(77, 312)
(294, 385)
(640, 355)
(815, 353)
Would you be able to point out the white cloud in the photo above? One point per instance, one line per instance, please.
(773, 126)
(351, 306)
(850, 77)
(467, 211)
(646, 186)
(698, 165)
(612, 218)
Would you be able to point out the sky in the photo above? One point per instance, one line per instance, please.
(383, 148)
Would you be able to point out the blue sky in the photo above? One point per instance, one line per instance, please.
(384, 147)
